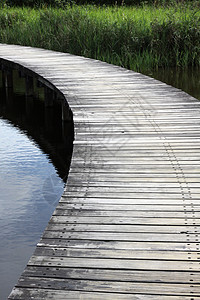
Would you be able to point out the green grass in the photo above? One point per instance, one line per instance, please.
(139, 38)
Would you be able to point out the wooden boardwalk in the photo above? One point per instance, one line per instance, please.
(128, 223)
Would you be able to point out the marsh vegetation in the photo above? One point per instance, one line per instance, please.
(140, 38)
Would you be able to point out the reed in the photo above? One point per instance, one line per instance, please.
(138, 38)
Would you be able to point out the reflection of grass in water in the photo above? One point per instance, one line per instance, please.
(138, 38)
(0, 79)
(19, 85)
(188, 81)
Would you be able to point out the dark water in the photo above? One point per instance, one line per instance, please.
(187, 80)
(35, 151)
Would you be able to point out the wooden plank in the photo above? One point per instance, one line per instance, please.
(133, 214)
(131, 186)
(143, 194)
(110, 286)
(107, 220)
(38, 294)
(117, 236)
(137, 178)
(113, 275)
(130, 207)
(123, 228)
(121, 254)
(130, 201)
(101, 263)
(133, 245)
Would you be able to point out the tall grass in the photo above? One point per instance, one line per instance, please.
(139, 38)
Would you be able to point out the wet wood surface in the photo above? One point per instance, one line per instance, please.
(127, 225)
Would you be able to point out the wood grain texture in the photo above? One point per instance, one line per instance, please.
(127, 225)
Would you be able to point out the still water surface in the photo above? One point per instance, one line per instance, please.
(187, 80)
(30, 186)
(24, 211)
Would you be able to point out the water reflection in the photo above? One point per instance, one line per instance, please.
(42, 124)
(187, 80)
(29, 183)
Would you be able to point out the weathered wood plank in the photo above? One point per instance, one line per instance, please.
(117, 236)
(38, 294)
(113, 275)
(121, 254)
(107, 220)
(130, 207)
(133, 214)
(126, 264)
(123, 228)
(133, 245)
(110, 286)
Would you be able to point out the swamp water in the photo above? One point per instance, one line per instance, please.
(187, 80)
(35, 154)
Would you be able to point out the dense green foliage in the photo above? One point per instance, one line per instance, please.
(138, 38)
(93, 2)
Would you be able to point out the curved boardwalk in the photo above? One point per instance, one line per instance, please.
(127, 225)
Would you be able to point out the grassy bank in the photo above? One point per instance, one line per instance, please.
(139, 38)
